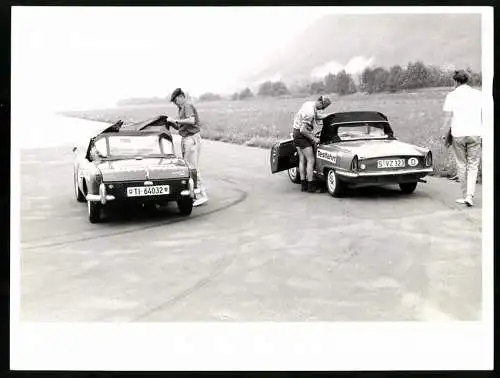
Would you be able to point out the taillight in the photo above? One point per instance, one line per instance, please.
(355, 163)
(428, 159)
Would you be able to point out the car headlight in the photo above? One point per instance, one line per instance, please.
(428, 159)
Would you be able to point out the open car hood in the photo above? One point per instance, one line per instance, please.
(160, 123)
(143, 169)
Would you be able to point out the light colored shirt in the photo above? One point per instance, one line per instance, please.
(465, 104)
(306, 116)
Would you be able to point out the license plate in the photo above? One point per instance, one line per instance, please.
(141, 191)
(391, 163)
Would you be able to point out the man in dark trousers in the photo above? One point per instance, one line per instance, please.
(188, 124)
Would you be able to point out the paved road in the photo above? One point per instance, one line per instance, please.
(246, 255)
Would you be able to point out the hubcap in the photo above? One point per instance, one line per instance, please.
(332, 181)
(293, 173)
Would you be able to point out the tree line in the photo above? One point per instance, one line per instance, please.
(371, 80)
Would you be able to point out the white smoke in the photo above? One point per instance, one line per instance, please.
(332, 67)
(358, 64)
(273, 78)
(355, 65)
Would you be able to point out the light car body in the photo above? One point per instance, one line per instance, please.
(357, 149)
(134, 163)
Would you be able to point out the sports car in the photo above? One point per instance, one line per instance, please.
(357, 149)
(133, 163)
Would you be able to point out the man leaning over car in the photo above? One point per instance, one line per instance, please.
(188, 124)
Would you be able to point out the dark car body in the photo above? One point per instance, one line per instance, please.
(133, 163)
(358, 149)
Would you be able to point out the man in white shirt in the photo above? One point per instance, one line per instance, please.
(463, 113)
(305, 141)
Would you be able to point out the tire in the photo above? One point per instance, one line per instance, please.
(333, 184)
(408, 187)
(78, 193)
(185, 206)
(293, 175)
(94, 210)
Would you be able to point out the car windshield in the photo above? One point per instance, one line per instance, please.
(362, 131)
(138, 145)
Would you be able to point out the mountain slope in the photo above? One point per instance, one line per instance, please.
(386, 39)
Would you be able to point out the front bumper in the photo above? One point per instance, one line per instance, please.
(109, 192)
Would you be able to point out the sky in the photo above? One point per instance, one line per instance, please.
(69, 58)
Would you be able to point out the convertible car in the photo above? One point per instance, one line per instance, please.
(357, 149)
(133, 163)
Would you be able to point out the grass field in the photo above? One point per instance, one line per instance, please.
(415, 117)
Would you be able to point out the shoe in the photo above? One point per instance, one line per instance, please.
(303, 187)
(201, 199)
(313, 187)
(461, 201)
(453, 178)
(468, 201)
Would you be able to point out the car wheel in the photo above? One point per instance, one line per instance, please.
(94, 210)
(185, 205)
(408, 187)
(333, 184)
(78, 193)
(293, 175)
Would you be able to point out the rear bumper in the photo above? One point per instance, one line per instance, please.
(382, 178)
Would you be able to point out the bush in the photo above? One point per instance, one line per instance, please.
(245, 93)
(414, 76)
(341, 83)
(209, 97)
(273, 89)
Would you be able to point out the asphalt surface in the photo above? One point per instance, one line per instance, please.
(259, 250)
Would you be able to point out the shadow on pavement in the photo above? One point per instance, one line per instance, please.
(380, 192)
(141, 214)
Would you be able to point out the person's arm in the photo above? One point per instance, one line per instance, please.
(448, 115)
(446, 122)
(307, 131)
(190, 116)
(321, 116)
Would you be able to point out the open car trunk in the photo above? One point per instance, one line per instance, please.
(283, 156)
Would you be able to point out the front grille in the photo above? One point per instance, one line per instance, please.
(119, 189)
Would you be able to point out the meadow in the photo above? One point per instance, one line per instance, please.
(416, 117)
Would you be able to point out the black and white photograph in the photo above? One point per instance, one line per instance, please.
(281, 182)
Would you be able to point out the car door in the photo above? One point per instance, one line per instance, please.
(283, 156)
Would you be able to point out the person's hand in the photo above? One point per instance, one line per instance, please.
(316, 140)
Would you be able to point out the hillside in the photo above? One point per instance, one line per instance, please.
(336, 41)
